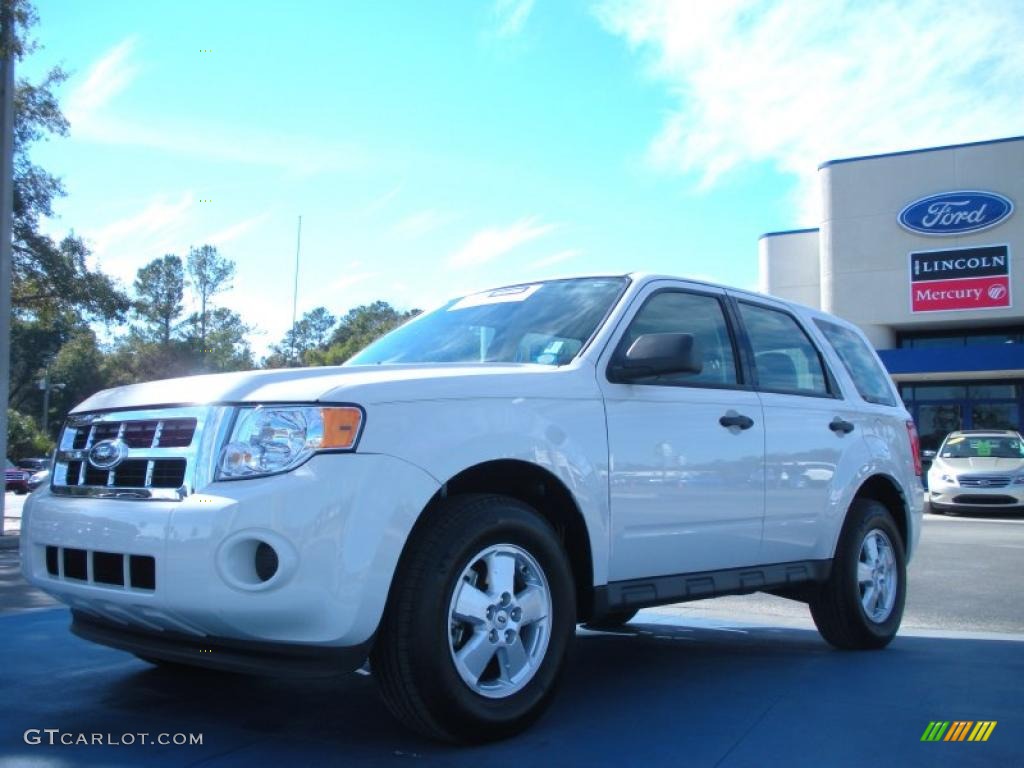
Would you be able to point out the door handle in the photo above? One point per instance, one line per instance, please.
(838, 425)
(736, 420)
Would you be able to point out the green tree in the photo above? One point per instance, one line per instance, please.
(24, 438)
(209, 274)
(159, 290)
(79, 367)
(48, 277)
(226, 347)
(358, 328)
(310, 333)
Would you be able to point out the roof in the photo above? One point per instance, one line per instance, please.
(783, 232)
(1002, 432)
(919, 151)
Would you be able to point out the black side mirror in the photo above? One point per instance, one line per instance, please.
(654, 354)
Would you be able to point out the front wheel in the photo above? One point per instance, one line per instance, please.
(861, 604)
(479, 621)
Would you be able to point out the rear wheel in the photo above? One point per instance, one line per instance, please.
(479, 621)
(861, 604)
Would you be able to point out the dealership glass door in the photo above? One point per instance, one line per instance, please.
(938, 409)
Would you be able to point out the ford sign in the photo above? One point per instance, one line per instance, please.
(955, 213)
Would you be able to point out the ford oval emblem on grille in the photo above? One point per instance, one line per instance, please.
(107, 454)
(983, 482)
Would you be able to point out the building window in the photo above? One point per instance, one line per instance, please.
(971, 338)
(940, 408)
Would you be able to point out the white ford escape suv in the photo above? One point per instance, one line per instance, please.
(457, 497)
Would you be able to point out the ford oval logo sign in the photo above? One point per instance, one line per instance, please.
(107, 454)
(955, 213)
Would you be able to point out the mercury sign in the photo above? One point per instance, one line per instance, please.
(960, 278)
(955, 213)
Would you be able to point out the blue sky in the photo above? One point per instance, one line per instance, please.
(437, 148)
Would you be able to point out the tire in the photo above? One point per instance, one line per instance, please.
(846, 616)
(428, 652)
(613, 620)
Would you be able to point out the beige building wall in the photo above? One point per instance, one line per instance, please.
(865, 252)
(789, 266)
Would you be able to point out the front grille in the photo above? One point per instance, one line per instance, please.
(132, 473)
(153, 453)
(144, 433)
(983, 481)
(109, 569)
(979, 499)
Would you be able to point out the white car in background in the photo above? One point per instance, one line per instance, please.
(455, 499)
(978, 470)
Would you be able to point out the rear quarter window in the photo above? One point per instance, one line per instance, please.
(868, 376)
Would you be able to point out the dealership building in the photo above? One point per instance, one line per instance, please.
(920, 249)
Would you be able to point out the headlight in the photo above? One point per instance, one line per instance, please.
(949, 479)
(1018, 480)
(268, 439)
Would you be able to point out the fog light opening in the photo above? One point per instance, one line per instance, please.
(265, 561)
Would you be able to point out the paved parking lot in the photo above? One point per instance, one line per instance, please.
(741, 681)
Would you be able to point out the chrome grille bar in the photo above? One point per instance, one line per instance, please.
(191, 435)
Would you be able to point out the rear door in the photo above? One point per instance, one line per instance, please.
(686, 450)
(808, 429)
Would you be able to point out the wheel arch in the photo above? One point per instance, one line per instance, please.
(885, 490)
(542, 490)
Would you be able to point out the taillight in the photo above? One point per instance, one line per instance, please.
(915, 447)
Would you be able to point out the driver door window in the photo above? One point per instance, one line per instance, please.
(702, 317)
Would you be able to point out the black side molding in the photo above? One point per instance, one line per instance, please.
(681, 588)
(255, 658)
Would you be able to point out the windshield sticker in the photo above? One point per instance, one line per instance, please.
(983, 447)
(499, 296)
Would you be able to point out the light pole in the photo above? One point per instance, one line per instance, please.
(7, 56)
(47, 387)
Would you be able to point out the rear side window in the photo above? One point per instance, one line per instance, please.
(784, 358)
(696, 314)
(871, 380)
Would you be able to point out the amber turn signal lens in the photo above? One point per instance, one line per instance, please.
(341, 427)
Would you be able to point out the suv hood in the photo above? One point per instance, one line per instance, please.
(360, 384)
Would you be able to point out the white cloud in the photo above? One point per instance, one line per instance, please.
(111, 74)
(93, 119)
(511, 16)
(156, 219)
(794, 84)
(488, 244)
(349, 281)
(556, 258)
(234, 231)
(422, 223)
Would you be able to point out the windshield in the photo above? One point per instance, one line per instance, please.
(982, 448)
(547, 323)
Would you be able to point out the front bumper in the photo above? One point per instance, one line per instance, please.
(942, 496)
(247, 657)
(337, 524)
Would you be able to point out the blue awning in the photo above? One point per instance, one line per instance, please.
(978, 358)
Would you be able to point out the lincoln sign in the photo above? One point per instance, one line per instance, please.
(961, 278)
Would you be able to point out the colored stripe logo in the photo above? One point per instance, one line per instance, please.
(958, 730)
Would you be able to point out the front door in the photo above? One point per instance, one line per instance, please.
(686, 450)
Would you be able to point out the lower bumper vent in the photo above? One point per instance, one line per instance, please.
(111, 569)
